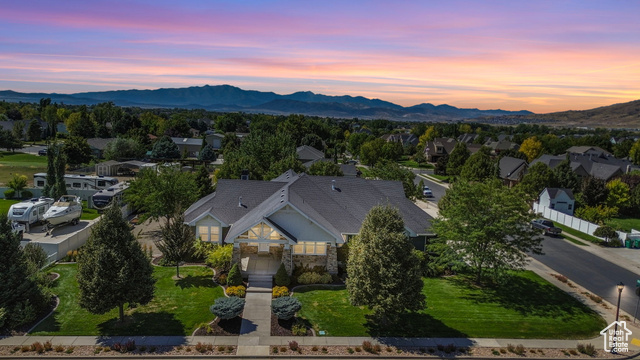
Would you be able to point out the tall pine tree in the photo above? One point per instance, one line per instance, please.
(203, 181)
(20, 296)
(384, 273)
(176, 242)
(112, 268)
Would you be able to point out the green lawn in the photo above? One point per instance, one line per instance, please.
(413, 164)
(179, 307)
(527, 307)
(20, 163)
(624, 223)
(579, 234)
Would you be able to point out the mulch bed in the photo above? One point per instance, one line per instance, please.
(220, 327)
(283, 327)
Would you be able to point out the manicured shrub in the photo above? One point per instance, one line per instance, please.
(285, 307)
(26, 194)
(238, 291)
(299, 329)
(293, 345)
(9, 194)
(234, 278)
(279, 291)
(227, 308)
(220, 278)
(587, 349)
(314, 278)
(282, 278)
(220, 257)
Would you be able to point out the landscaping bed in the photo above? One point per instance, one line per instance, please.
(281, 327)
(220, 327)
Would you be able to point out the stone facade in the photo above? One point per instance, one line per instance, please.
(246, 249)
(332, 259)
(235, 257)
(286, 260)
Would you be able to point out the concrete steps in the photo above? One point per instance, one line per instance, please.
(260, 284)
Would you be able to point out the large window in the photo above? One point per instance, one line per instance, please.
(310, 248)
(209, 233)
(261, 231)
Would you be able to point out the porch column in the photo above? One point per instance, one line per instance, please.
(332, 259)
(235, 257)
(286, 259)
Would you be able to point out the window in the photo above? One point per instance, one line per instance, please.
(209, 233)
(40, 183)
(68, 185)
(569, 207)
(101, 183)
(76, 185)
(261, 231)
(310, 248)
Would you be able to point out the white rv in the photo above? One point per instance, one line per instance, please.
(78, 182)
(29, 211)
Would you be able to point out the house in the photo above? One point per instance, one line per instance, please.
(500, 145)
(438, 148)
(468, 138)
(190, 146)
(309, 155)
(98, 145)
(403, 138)
(588, 150)
(350, 170)
(558, 199)
(108, 168)
(512, 170)
(605, 167)
(296, 219)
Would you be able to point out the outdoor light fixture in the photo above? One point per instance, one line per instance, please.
(620, 286)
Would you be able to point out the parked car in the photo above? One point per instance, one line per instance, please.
(42, 152)
(427, 192)
(546, 226)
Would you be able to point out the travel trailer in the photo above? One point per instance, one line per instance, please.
(30, 211)
(78, 182)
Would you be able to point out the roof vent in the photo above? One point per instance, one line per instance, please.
(333, 185)
(240, 201)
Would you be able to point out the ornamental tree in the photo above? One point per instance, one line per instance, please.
(227, 307)
(383, 272)
(285, 307)
(177, 241)
(484, 227)
(112, 268)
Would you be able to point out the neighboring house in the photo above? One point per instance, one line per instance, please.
(98, 145)
(558, 199)
(512, 170)
(605, 167)
(350, 170)
(438, 148)
(309, 155)
(403, 138)
(588, 150)
(468, 138)
(500, 145)
(190, 146)
(296, 219)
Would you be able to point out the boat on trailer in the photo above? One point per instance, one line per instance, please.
(67, 209)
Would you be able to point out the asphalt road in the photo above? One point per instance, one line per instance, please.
(595, 274)
(437, 189)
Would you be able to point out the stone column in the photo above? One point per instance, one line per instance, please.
(235, 257)
(286, 259)
(332, 259)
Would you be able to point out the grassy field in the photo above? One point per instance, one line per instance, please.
(6, 204)
(413, 164)
(624, 223)
(20, 163)
(526, 307)
(179, 306)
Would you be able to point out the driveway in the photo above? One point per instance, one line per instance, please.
(594, 273)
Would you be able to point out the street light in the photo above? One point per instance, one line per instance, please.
(620, 286)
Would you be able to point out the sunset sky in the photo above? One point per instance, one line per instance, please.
(541, 56)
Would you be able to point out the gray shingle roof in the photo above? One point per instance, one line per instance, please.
(339, 211)
(511, 168)
(187, 141)
(554, 192)
(99, 143)
(602, 167)
(309, 153)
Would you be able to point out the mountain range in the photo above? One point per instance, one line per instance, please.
(231, 98)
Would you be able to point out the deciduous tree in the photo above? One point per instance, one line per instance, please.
(384, 274)
(484, 226)
(34, 131)
(112, 268)
(594, 191)
(538, 177)
(478, 166)
(457, 158)
(325, 168)
(123, 148)
(76, 150)
(165, 148)
(532, 148)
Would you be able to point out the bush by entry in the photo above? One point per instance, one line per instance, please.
(526, 306)
(179, 306)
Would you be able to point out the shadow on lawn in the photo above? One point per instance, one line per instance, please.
(411, 325)
(159, 323)
(191, 281)
(526, 296)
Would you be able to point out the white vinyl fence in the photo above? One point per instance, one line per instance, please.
(571, 221)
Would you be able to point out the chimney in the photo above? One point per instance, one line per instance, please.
(240, 201)
(333, 185)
